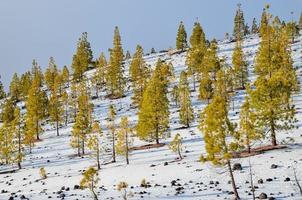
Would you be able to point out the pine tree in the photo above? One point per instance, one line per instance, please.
(56, 109)
(65, 102)
(239, 24)
(2, 92)
(43, 174)
(255, 28)
(7, 144)
(275, 83)
(240, 66)
(18, 132)
(218, 131)
(82, 59)
(122, 186)
(14, 88)
(196, 52)
(128, 55)
(186, 114)
(139, 75)
(176, 145)
(206, 87)
(25, 85)
(73, 99)
(82, 125)
(115, 73)
(112, 127)
(210, 63)
(36, 106)
(90, 180)
(123, 139)
(100, 75)
(264, 21)
(51, 73)
(152, 51)
(153, 116)
(65, 76)
(181, 39)
(37, 74)
(94, 142)
(249, 132)
(175, 94)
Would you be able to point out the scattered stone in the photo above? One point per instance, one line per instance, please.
(76, 187)
(262, 196)
(166, 163)
(287, 179)
(260, 181)
(237, 166)
(274, 166)
(269, 180)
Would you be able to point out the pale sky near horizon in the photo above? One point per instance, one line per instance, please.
(35, 29)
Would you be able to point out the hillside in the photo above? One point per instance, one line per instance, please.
(169, 178)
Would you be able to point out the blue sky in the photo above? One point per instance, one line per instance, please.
(40, 29)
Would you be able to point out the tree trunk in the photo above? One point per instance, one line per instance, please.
(37, 130)
(248, 144)
(78, 140)
(113, 147)
(194, 85)
(127, 149)
(57, 126)
(179, 153)
(233, 181)
(98, 156)
(19, 149)
(83, 147)
(95, 197)
(273, 132)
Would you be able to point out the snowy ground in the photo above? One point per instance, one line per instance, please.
(65, 169)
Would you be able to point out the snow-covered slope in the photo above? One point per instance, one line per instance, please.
(159, 166)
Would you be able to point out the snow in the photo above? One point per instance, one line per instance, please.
(63, 168)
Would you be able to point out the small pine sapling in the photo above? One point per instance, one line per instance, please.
(43, 173)
(176, 145)
(90, 180)
(122, 187)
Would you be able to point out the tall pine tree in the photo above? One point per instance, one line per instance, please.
(82, 59)
(139, 75)
(275, 83)
(186, 114)
(219, 136)
(196, 52)
(181, 39)
(153, 116)
(115, 79)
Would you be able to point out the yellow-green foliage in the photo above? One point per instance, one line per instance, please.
(124, 140)
(139, 75)
(90, 180)
(122, 186)
(176, 145)
(82, 58)
(181, 39)
(81, 127)
(239, 66)
(115, 79)
(43, 173)
(186, 114)
(248, 131)
(153, 116)
(276, 81)
(216, 128)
